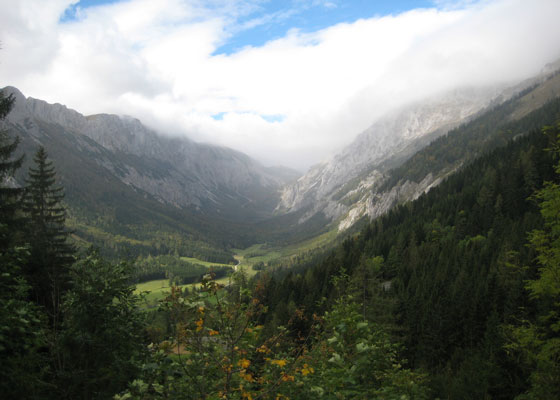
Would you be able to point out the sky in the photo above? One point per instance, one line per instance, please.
(288, 82)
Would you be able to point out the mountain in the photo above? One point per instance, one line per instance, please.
(448, 272)
(174, 170)
(131, 189)
(352, 184)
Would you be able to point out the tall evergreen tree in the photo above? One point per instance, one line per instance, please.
(51, 254)
(538, 341)
(101, 342)
(20, 320)
(9, 195)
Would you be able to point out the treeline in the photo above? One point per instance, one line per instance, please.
(455, 295)
(448, 274)
(117, 240)
(69, 326)
(178, 271)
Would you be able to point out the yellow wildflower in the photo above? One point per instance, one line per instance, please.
(263, 349)
(306, 370)
(247, 377)
(280, 363)
(286, 378)
(199, 324)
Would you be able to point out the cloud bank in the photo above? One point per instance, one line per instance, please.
(293, 100)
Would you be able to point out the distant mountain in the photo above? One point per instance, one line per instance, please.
(130, 189)
(176, 170)
(354, 183)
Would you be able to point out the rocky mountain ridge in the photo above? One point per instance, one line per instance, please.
(346, 187)
(175, 170)
(391, 136)
(108, 157)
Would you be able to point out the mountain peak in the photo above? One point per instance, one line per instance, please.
(13, 91)
(20, 99)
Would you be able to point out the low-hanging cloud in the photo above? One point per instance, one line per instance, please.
(293, 100)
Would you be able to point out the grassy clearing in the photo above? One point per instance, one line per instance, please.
(310, 244)
(262, 252)
(159, 288)
(250, 256)
(246, 259)
(205, 263)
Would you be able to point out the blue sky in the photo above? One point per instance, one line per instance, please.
(311, 16)
(267, 20)
(70, 13)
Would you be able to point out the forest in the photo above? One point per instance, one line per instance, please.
(454, 295)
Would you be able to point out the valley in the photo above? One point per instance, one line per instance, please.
(418, 262)
(131, 191)
(125, 197)
(249, 262)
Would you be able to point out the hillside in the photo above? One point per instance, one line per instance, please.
(361, 181)
(448, 273)
(132, 190)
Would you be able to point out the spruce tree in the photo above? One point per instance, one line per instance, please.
(20, 320)
(538, 341)
(51, 254)
(9, 195)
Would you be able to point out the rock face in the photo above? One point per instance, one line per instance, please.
(173, 170)
(226, 183)
(343, 184)
(349, 185)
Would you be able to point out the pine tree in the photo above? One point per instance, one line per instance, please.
(51, 254)
(9, 196)
(20, 320)
(539, 341)
(102, 336)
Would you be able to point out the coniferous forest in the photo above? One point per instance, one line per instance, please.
(455, 295)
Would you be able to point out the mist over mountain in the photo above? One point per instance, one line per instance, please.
(346, 187)
(177, 171)
(222, 183)
(391, 137)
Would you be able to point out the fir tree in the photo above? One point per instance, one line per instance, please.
(20, 319)
(538, 341)
(51, 254)
(9, 195)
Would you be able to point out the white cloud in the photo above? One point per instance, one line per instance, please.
(156, 61)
